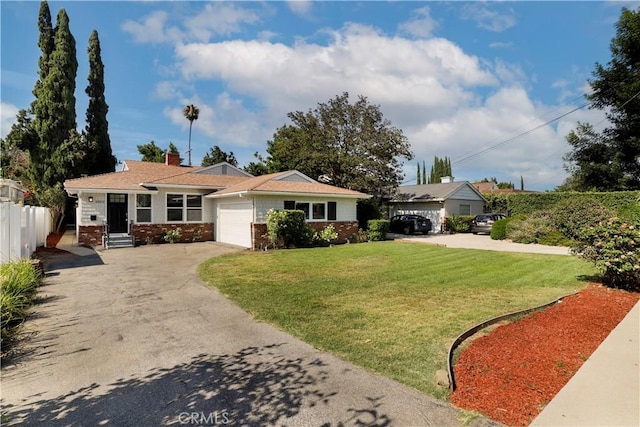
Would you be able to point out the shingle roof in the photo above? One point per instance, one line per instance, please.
(135, 174)
(276, 183)
(428, 192)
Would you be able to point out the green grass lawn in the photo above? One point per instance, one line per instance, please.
(391, 307)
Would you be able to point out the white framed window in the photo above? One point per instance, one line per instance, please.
(184, 207)
(314, 211)
(143, 208)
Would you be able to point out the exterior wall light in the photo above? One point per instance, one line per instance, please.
(90, 199)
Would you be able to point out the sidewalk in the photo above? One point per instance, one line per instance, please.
(606, 389)
(68, 243)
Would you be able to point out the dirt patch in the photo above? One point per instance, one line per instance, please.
(513, 372)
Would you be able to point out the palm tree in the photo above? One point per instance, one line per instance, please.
(191, 112)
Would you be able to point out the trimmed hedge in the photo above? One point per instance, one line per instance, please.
(459, 223)
(499, 228)
(378, 229)
(625, 203)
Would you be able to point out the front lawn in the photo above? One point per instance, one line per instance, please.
(391, 307)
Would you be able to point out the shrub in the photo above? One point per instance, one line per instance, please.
(359, 237)
(328, 234)
(613, 246)
(18, 283)
(499, 228)
(459, 223)
(530, 229)
(289, 227)
(378, 229)
(173, 236)
(571, 216)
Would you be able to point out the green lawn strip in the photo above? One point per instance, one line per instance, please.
(391, 307)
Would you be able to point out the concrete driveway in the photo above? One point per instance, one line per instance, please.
(481, 241)
(132, 337)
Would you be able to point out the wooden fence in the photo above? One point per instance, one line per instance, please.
(22, 230)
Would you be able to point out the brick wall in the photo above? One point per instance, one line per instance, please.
(153, 233)
(90, 235)
(345, 229)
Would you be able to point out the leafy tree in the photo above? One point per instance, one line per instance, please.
(46, 45)
(97, 129)
(610, 161)
(151, 152)
(54, 108)
(257, 168)
(14, 156)
(191, 113)
(216, 155)
(349, 145)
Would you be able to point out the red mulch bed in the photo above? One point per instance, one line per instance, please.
(511, 373)
(52, 242)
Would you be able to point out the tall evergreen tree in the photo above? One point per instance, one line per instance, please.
(419, 180)
(55, 109)
(46, 45)
(97, 129)
(424, 173)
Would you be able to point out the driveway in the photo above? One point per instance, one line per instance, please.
(132, 337)
(481, 241)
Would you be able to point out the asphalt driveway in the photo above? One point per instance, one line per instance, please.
(132, 337)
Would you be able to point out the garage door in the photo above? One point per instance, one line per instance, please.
(432, 214)
(234, 223)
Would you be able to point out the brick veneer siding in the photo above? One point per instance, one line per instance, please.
(345, 230)
(154, 233)
(90, 235)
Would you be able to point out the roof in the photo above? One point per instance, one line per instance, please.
(137, 176)
(290, 182)
(485, 186)
(431, 192)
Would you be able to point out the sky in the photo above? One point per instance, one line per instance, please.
(476, 82)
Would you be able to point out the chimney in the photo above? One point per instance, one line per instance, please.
(172, 159)
(446, 179)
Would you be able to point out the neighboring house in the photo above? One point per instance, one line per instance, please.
(220, 202)
(437, 201)
(486, 186)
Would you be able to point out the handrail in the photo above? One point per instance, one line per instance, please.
(471, 331)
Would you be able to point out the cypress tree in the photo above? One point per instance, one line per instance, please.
(55, 112)
(419, 174)
(97, 129)
(424, 173)
(46, 45)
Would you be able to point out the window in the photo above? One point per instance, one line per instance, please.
(181, 206)
(314, 211)
(465, 209)
(143, 208)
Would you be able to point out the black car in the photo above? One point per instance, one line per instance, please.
(409, 224)
(483, 223)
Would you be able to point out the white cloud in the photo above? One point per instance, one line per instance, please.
(152, 29)
(300, 7)
(421, 25)
(487, 17)
(219, 19)
(8, 114)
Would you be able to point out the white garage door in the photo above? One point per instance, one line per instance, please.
(234, 223)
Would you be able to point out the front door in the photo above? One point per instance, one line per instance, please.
(117, 208)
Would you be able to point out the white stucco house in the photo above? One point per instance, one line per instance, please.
(437, 201)
(142, 201)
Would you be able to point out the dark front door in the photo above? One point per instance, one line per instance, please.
(117, 213)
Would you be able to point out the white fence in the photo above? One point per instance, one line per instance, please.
(22, 230)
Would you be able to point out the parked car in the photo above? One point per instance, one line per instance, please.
(409, 224)
(483, 223)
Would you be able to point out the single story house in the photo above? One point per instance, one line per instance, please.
(437, 201)
(144, 200)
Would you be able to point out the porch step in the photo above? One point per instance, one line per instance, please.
(119, 241)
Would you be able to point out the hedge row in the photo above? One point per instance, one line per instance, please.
(625, 203)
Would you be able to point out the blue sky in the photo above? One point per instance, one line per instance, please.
(459, 78)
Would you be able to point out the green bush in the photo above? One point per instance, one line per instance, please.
(530, 229)
(378, 229)
(289, 228)
(571, 216)
(613, 246)
(499, 228)
(459, 223)
(18, 283)
(328, 234)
